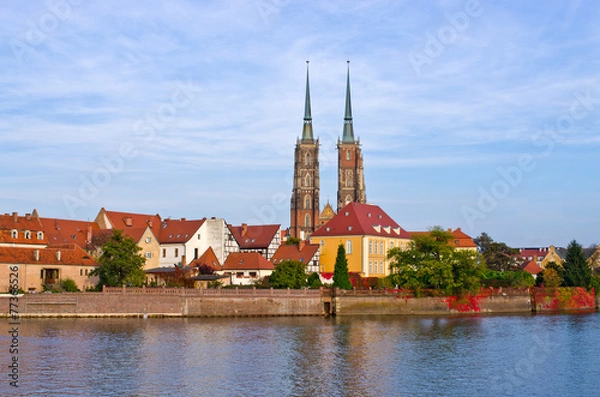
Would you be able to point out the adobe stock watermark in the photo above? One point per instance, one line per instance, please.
(515, 378)
(267, 8)
(437, 43)
(511, 177)
(145, 131)
(57, 12)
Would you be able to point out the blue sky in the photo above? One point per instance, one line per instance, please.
(475, 114)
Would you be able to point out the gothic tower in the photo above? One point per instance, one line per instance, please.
(304, 208)
(351, 180)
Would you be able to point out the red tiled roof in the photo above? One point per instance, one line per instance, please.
(532, 267)
(460, 240)
(534, 253)
(70, 254)
(361, 219)
(124, 220)
(254, 237)
(178, 230)
(207, 258)
(61, 231)
(247, 261)
(22, 224)
(294, 253)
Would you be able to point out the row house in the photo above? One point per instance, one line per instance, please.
(246, 268)
(39, 266)
(22, 231)
(308, 254)
(264, 239)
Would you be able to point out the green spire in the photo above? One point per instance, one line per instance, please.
(348, 136)
(307, 132)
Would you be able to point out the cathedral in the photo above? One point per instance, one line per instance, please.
(305, 214)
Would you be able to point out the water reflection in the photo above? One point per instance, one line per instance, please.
(366, 356)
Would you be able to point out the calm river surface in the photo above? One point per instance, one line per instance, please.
(539, 355)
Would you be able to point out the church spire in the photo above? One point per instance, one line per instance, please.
(307, 132)
(348, 136)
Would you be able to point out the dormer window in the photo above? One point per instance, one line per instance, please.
(40, 235)
(27, 234)
(14, 234)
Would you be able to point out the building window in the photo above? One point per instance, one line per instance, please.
(148, 255)
(307, 159)
(81, 272)
(176, 252)
(348, 155)
(370, 266)
(381, 246)
(375, 247)
(307, 180)
(381, 268)
(27, 234)
(348, 199)
(40, 235)
(307, 202)
(198, 236)
(164, 252)
(370, 247)
(391, 244)
(14, 234)
(252, 274)
(348, 246)
(307, 220)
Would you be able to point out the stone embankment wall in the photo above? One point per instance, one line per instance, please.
(169, 302)
(376, 302)
(175, 302)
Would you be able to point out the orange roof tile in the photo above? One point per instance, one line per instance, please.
(60, 231)
(178, 230)
(532, 267)
(295, 253)
(247, 261)
(124, 220)
(361, 219)
(70, 254)
(22, 224)
(254, 237)
(207, 258)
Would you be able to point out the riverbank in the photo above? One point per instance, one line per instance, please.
(177, 302)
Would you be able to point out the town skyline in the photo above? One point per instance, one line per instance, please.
(478, 115)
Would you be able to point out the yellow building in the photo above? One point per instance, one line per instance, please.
(367, 232)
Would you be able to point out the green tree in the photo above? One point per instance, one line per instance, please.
(431, 262)
(577, 271)
(341, 278)
(498, 256)
(289, 274)
(292, 241)
(69, 285)
(120, 262)
(314, 281)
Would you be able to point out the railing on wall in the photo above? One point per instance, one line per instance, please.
(212, 291)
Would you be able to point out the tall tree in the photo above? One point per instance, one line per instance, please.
(120, 262)
(341, 278)
(498, 256)
(577, 271)
(431, 262)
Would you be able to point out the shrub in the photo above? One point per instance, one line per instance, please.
(69, 285)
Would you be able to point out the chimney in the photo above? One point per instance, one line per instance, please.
(88, 235)
(36, 254)
(58, 255)
(244, 229)
(128, 221)
(182, 219)
(28, 217)
(15, 216)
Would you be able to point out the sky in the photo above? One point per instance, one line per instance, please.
(476, 114)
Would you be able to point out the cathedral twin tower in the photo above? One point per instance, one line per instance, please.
(305, 215)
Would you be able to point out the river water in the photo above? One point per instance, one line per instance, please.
(536, 355)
